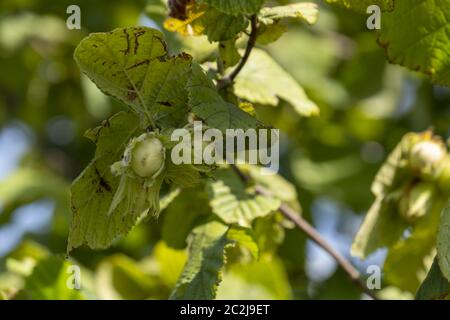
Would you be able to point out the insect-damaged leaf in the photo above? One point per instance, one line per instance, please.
(92, 192)
(133, 66)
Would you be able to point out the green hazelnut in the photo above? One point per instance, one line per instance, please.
(426, 154)
(147, 155)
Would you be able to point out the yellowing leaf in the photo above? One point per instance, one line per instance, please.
(191, 26)
(211, 22)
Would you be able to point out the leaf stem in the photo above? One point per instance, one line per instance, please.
(225, 82)
(313, 235)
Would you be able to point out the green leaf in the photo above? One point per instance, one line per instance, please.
(119, 277)
(409, 259)
(170, 262)
(435, 286)
(187, 211)
(382, 227)
(361, 6)
(263, 81)
(93, 191)
(270, 33)
(443, 243)
(394, 173)
(405, 264)
(29, 249)
(229, 55)
(49, 280)
(269, 233)
(417, 35)
(182, 175)
(305, 11)
(209, 106)
(233, 203)
(133, 66)
(235, 6)
(202, 272)
(278, 186)
(26, 185)
(4, 295)
(266, 279)
(168, 198)
(244, 237)
(222, 27)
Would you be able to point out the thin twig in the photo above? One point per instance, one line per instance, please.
(225, 82)
(312, 234)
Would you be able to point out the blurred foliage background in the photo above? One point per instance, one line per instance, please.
(366, 106)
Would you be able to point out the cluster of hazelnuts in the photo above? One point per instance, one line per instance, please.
(430, 162)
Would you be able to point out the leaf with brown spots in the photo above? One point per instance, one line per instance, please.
(93, 191)
(133, 66)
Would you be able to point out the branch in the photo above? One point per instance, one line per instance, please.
(225, 82)
(312, 234)
(287, 211)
